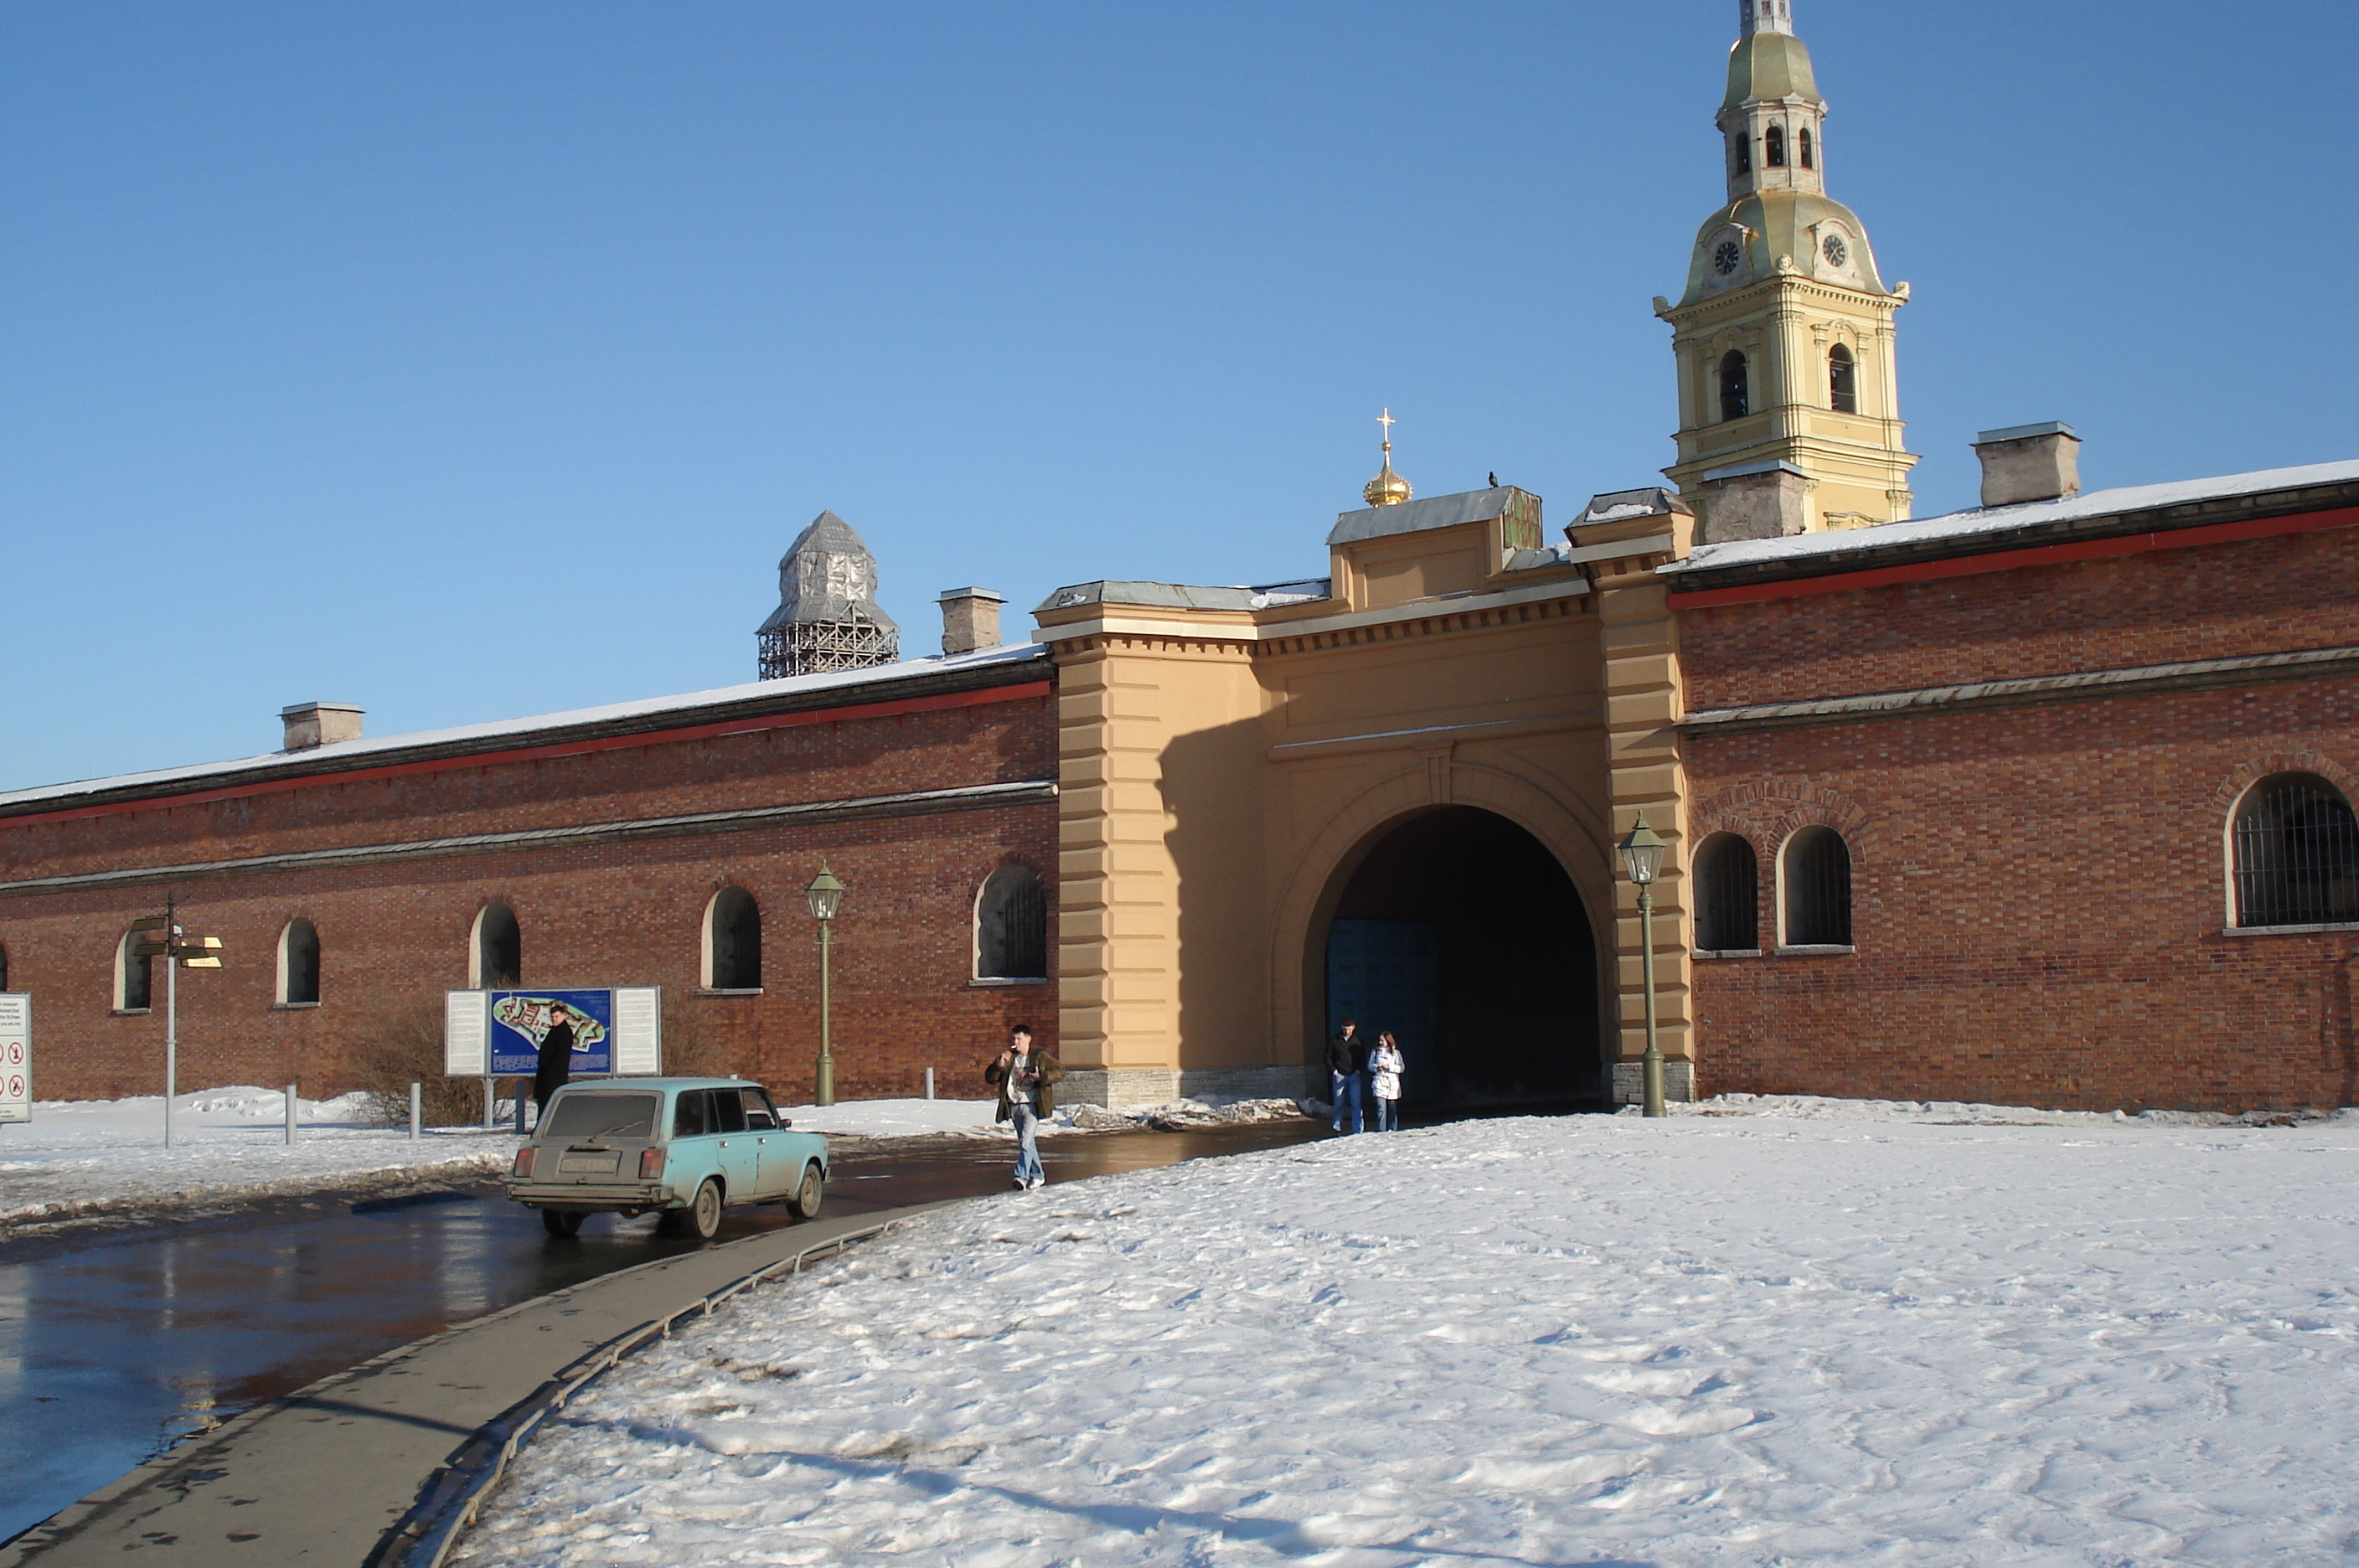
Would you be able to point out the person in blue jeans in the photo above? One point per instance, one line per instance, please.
(1027, 1080)
(1347, 1065)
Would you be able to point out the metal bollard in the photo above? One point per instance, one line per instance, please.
(929, 1083)
(415, 1094)
(490, 1106)
(291, 1106)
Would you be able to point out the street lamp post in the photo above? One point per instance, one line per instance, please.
(826, 893)
(1642, 855)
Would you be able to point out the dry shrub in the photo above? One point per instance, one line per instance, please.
(402, 1045)
(692, 1044)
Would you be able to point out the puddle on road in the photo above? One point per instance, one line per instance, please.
(113, 1344)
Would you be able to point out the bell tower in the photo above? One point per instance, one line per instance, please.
(1789, 407)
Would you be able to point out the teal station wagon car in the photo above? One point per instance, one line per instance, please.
(679, 1147)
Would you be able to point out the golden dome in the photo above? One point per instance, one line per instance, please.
(1387, 488)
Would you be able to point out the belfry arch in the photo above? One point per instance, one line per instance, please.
(1460, 931)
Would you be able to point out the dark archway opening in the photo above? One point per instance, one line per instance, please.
(1462, 934)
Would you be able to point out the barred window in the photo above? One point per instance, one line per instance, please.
(298, 962)
(733, 942)
(1843, 380)
(1735, 386)
(1816, 888)
(2297, 854)
(497, 956)
(1803, 135)
(1011, 927)
(132, 973)
(1777, 147)
(1727, 895)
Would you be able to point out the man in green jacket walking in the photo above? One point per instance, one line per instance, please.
(1027, 1079)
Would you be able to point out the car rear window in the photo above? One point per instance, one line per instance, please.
(602, 1115)
(759, 1116)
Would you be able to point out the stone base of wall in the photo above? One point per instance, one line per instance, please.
(1630, 1082)
(1160, 1085)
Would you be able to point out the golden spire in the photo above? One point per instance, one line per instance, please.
(1387, 488)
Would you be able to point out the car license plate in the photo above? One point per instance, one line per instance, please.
(589, 1164)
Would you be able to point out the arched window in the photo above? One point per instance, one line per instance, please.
(299, 964)
(1011, 927)
(733, 942)
(496, 958)
(1802, 137)
(2297, 854)
(1775, 144)
(132, 973)
(1741, 151)
(1816, 877)
(1735, 394)
(1727, 895)
(1843, 380)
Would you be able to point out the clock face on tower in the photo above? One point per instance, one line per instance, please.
(1837, 252)
(1724, 259)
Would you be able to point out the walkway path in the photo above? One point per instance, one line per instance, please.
(322, 1476)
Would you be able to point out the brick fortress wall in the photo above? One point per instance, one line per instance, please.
(2039, 891)
(394, 935)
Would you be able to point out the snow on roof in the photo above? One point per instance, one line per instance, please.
(2000, 519)
(686, 705)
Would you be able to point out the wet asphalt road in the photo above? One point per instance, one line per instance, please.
(113, 1344)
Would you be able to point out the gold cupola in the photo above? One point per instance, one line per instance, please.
(1387, 488)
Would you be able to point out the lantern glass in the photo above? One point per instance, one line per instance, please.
(824, 893)
(1642, 853)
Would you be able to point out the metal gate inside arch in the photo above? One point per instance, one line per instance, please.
(1461, 933)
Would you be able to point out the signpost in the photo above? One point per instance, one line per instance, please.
(617, 1031)
(15, 1057)
(175, 947)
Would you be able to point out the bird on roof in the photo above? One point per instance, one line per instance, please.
(1495, 482)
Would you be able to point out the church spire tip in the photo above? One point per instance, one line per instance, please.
(1764, 17)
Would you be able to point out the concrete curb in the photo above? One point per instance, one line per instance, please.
(425, 1537)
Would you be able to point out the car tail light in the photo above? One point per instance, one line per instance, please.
(650, 1164)
(522, 1169)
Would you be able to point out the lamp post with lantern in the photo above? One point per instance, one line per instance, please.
(825, 894)
(1642, 856)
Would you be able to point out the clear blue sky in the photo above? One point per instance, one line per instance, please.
(470, 361)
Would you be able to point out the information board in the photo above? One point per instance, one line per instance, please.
(16, 1056)
(499, 1033)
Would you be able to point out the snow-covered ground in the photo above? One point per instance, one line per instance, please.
(79, 1157)
(1866, 1337)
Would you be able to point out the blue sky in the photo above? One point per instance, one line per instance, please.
(471, 361)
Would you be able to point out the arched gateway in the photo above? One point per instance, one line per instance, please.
(1458, 932)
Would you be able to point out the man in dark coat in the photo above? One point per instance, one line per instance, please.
(1347, 1065)
(1027, 1079)
(556, 1059)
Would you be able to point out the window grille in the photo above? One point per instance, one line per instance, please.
(1777, 141)
(733, 935)
(298, 962)
(1818, 890)
(1843, 380)
(1804, 137)
(1735, 395)
(1011, 927)
(2297, 855)
(499, 948)
(132, 975)
(1727, 895)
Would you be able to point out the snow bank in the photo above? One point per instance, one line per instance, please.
(1703, 1340)
(1957, 1113)
(80, 1157)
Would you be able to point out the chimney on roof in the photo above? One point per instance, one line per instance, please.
(310, 725)
(970, 619)
(2029, 463)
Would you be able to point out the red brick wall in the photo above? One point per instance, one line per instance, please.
(395, 933)
(2039, 893)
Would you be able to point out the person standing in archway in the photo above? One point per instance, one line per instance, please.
(1347, 1065)
(556, 1062)
(1385, 1077)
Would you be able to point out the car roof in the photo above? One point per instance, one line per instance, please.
(663, 1084)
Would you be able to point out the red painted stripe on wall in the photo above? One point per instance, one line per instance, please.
(555, 749)
(2008, 560)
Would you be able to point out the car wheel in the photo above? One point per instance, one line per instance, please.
(704, 1214)
(804, 1204)
(562, 1225)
